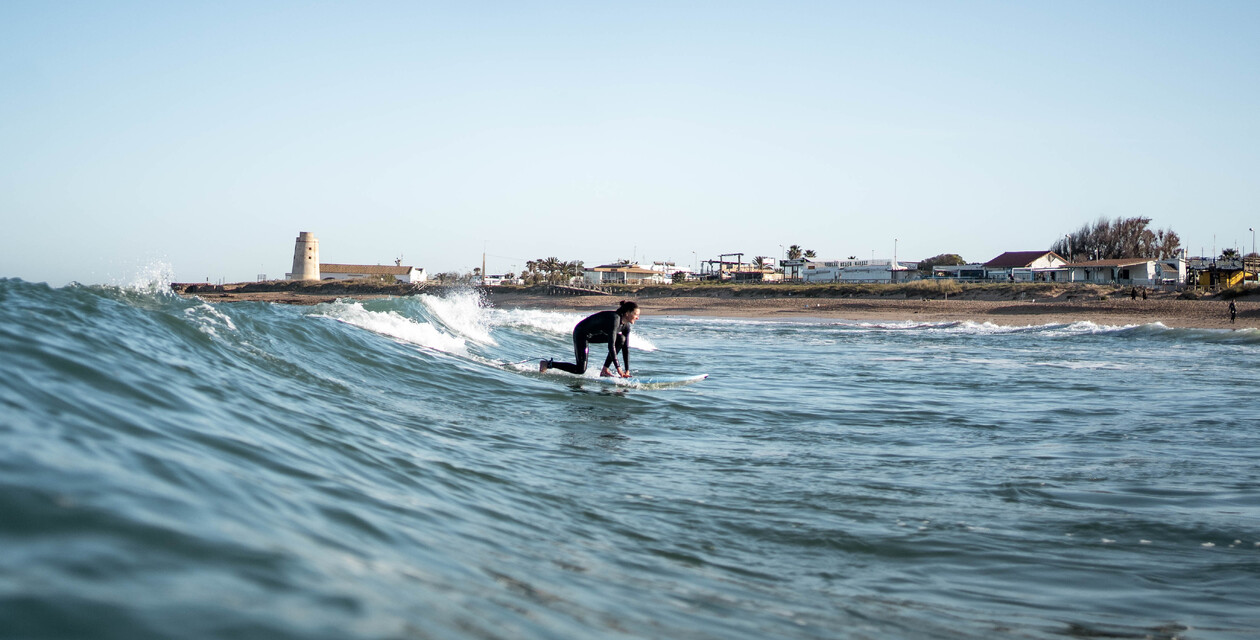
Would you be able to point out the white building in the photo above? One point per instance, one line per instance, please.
(1026, 266)
(623, 274)
(401, 273)
(495, 280)
(816, 271)
(1122, 271)
(877, 271)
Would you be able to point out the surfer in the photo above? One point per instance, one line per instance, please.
(611, 327)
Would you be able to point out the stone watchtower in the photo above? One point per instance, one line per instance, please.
(305, 257)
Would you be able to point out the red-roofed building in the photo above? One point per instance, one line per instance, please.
(1026, 266)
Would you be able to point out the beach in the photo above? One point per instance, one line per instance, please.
(1169, 311)
(1163, 308)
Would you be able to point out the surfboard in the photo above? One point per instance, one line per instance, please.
(649, 382)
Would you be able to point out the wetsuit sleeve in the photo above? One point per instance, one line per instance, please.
(612, 341)
(625, 348)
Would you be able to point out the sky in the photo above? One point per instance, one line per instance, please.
(201, 138)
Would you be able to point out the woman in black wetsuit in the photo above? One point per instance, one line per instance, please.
(612, 327)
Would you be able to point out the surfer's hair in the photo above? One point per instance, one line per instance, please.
(627, 307)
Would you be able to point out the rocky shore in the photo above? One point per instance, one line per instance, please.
(1009, 305)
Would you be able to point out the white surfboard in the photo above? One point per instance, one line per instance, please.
(648, 382)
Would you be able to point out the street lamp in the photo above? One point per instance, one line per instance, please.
(1253, 240)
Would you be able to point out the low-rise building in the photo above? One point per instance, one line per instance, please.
(1027, 266)
(401, 273)
(623, 274)
(1115, 271)
(972, 272)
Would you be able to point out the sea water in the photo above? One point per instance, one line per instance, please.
(397, 468)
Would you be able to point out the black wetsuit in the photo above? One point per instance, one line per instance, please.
(602, 327)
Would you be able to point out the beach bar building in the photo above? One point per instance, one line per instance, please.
(880, 270)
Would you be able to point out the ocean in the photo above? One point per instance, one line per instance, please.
(397, 468)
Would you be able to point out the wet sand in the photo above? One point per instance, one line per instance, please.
(1171, 312)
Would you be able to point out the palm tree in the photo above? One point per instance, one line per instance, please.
(809, 253)
(1229, 254)
(794, 252)
(760, 263)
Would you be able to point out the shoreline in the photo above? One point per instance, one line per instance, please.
(1169, 311)
(1173, 313)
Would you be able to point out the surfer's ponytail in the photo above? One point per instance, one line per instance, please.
(627, 307)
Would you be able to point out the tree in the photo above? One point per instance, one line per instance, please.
(761, 262)
(944, 259)
(795, 252)
(1120, 238)
(1229, 254)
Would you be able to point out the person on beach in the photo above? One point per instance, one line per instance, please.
(611, 327)
(1233, 312)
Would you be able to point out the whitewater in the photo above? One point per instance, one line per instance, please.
(397, 468)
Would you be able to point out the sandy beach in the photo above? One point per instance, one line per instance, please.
(1166, 309)
(1169, 311)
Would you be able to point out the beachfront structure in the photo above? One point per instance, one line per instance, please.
(819, 271)
(879, 271)
(495, 280)
(1222, 273)
(399, 272)
(1134, 271)
(305, 258)
(882, 270)
(1027, 266)
(973, 272)
(623, 274)
(1115, 271)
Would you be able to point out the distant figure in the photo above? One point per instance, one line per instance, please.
(1233, 312)
(1143, 293)
(612, 327)
(1133, 293)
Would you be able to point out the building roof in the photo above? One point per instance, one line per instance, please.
(621, 268)
(367, 269)
(1113, 262)
(1019, 259)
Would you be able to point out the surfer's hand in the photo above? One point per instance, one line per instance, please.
(625, 374)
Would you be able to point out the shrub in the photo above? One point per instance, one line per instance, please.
(1238, 291)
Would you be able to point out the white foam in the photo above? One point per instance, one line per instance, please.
(461, 313)
(394, 325)
(209, 319)
(152, 278)
(556, 322)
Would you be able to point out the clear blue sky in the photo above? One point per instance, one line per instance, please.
(207, 135)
